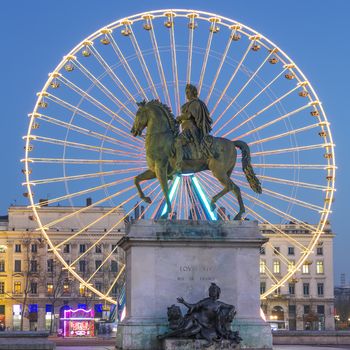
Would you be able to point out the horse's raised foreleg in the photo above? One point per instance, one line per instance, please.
(162, 176)
(146, 175)
(229, 185)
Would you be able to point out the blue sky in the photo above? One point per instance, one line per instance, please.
(36, 34)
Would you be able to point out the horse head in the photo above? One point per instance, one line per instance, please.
(141, 119)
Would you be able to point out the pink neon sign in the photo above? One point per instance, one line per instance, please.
(78, 323)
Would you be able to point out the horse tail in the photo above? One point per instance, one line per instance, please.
(247, 166)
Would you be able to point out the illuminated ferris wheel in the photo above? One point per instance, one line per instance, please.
(79, 144)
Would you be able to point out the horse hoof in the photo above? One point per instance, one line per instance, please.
(238, 217)
(147, 200)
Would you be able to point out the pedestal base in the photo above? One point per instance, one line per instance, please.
(170, 259)
(195, 344)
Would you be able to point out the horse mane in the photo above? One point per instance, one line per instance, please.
(174, 126)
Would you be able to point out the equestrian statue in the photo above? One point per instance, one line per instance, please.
(169, 152)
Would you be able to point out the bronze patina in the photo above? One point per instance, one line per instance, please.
(199, 151)
(208, 319)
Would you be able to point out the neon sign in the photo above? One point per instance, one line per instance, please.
(78, 323)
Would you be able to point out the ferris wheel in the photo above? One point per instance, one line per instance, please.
(79, 144)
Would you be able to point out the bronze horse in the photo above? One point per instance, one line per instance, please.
(162, 130)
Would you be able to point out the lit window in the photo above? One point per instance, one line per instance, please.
(319, 267)
(306, 268)
(291, 265)
(66, 287)
(306, 289)
(81, 290)
(17, 287)
(2, 287)
(49, 288)
(262, 266)
(320, 289)
(276, 266)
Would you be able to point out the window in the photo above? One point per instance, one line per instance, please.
(319, 250)
(262, 250)
(82, 265)
(34, 287)
(81, 290)
(66, 248)
(276, 250)
(320, 289)
(49, 288)
(18, 266)
(33, 266)
(262, 287)
(306, 268)
(2, 287)
(34, 248)
(292, 310)
(2, 265)
(17, 248)
(114, 246)
(262, 266)
(82, 248)
(290, 250)
(320, 309)
(98, 286)
(306, 309)
(115, 290)
(276, 266)
(66, 287)
(98, 249)
(114, 266)
(291, 265)
(17, 287)
(98, 263)
(277, 291)
(319, 267)
(49, 265)
(291, 288)
(306, 289)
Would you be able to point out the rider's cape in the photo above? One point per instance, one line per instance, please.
(201, 115)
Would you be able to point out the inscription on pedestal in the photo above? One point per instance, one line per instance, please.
(190, 272)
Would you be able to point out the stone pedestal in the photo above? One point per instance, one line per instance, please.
(168, 259)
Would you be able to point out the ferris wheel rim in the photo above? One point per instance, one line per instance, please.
(160, 13)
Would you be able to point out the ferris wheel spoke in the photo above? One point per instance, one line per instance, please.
(115, 280)
(159, 62)
(295, 166)
(291, 149)
(83, 161)
(174, 63)
(126, 65)
(191, 26)
(284, 134)
(87, 132)
(88, 190)
(280, 255)
(287, 182)
(267, 86)
(97, 82)
(231, 79)
(206, 56)
(112, 227)
(91, 117)
(85, 176)
(279, 99)
(270, 275)
(142, 61)
(112, 75)
(252, 76)
(99, 104)
(84, 146)
(218, 71)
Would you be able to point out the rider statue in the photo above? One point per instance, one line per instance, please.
(196, 124)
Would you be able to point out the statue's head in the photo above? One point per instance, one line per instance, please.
(191, 91)
(214, 291)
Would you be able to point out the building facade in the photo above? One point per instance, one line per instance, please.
(306, 301)
(34, 288)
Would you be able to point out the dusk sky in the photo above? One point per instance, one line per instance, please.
(37, 34)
